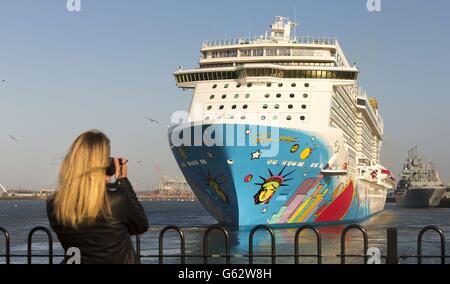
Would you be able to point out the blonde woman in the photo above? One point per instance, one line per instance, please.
(89, 214)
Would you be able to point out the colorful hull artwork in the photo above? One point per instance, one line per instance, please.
(239, 186)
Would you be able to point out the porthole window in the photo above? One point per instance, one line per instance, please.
(214, 86)
(249, 85)
(247, 96)
(231, 117)
(238, 85)
(245, 106)
(211, 97)
(221, 107)
(226, 86)
(224, 96)
(236, 96)
(243, 117)
(234, 107)
(302, 118)
(277, 106)
(265, 106)
(267, 96)
(263, 117)
(305, 96)
(207, 118)
(293, 85)
(280, 85)
(306, 85)
(303, 106)
(278, 96)
(219, 117)
(288, 117)
(292, 96)
(275, 117)
(269, 85)
(209, 107)
(290, 106)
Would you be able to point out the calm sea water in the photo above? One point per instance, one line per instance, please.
(19, 217)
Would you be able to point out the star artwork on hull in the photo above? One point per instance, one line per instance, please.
(256, 155)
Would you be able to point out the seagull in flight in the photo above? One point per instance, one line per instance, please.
(152, 120)
(13, 138)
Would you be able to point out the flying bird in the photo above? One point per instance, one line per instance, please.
(139, 162)
(152, 120)
(13, 138)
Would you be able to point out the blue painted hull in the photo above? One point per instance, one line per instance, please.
(260, 177)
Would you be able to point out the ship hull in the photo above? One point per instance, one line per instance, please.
(445, 202)
(420, 197)
(279, 184)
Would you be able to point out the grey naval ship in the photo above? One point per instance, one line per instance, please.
(420, 185)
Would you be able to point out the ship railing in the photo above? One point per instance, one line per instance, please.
(269, 39)
(368, 255)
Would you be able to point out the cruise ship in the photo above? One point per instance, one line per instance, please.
(279, 132)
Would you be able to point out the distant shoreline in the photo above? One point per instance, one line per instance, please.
(9, 198)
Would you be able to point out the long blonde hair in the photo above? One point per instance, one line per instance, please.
(81, 194)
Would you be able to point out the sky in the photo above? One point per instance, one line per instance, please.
(110, 65)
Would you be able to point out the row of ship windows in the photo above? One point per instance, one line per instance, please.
(262, 117)
(265, 72)
(247, 96)
(265, 106)
(288, 63)
(249, 85)
(268, 52)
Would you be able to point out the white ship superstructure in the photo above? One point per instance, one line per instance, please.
(304, 87)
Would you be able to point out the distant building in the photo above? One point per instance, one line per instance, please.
(23, 193)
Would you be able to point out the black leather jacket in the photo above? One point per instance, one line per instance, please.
(107, 241)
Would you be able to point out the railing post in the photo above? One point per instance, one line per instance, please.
(206, 241)
(138, 246)
(50, 243)
(318, 239)
(392, 246)
(7, 245)
(344, 234)
(182, 243)
(420, 240)
(272, 236)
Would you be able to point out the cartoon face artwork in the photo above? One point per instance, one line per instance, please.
(214, 184)
(218, 189)
(269, 186)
